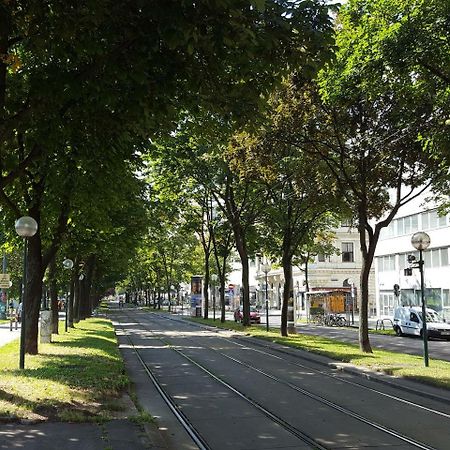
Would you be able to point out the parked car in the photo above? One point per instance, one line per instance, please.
(408, 320)
(254, 315)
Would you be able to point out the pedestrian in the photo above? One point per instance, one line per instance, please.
(12, 315)
(19, 312)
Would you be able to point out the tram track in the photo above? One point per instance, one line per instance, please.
(184, 421)
(287, 426)
(268, 352)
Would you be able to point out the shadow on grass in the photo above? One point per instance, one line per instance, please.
(92, 373)
(90, 340)
(50, 410)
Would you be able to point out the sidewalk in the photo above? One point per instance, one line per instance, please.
(6, 335)
(113, 435)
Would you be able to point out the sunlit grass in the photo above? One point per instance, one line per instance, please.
(69, 378)
(398, 364)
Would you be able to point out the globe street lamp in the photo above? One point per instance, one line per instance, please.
(67, 264)
(26, 227)
(266, 269)
(213, 284)
(421, 241)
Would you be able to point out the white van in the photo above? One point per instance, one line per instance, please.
(408, 320)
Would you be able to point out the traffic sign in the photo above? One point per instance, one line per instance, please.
(5, 281)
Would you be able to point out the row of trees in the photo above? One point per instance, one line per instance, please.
(359, 139)
(84, 86)
(131, 131)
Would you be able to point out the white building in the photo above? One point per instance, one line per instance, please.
(391, 260)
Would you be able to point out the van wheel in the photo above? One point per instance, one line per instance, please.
(398, 331)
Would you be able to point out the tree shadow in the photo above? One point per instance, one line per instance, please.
(48, 411)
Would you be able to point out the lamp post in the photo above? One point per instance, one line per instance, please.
(172, 288)
(421, 241)
(352, 293)
(26, 227)
(67, 264)
(266, 269)
(213, 285)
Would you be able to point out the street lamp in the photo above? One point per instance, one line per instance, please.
(26, 227)
(421, 241)
(172, 288)
(67, 264)
(213, 282)
(266, 269)
(352, 293)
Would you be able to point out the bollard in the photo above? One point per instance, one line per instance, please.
(46, 327)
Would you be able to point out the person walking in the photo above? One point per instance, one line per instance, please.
(12, 313)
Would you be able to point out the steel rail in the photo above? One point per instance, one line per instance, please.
(184, 421)
(322, 399)
(287, 426)
(334, 376)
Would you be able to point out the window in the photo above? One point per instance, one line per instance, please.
(446, 298)
(437, 257)
(413, 318)
(347, 252)
(400, 227)
(321, 257)
(387, 304)
(431, 219)
(386, 263)
(444, 256)
(388, 231)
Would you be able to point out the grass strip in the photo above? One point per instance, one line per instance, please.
(392, 363)
(75, 378)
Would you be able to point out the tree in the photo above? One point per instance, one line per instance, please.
(298, 204)
(367, 125)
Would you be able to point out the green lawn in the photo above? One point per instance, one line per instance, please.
(401, 365)
(79, 376)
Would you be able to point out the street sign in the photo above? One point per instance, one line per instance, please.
(5, 281)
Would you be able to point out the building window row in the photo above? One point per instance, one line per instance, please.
(437, 298)
(427, 220)
(436, 257)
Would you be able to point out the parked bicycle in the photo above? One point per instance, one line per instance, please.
(335, 320)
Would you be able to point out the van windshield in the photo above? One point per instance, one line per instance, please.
(432, 316)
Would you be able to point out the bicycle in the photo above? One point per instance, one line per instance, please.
(335, 320)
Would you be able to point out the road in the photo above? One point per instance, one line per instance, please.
(234, 392)
(438, 349)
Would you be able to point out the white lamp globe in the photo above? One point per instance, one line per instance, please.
(68, 263)
(26, 226)
(420, 240)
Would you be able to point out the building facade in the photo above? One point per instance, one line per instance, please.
(326, 273)
(391, 259)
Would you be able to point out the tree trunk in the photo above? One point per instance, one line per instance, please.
(76, 302)
(206, 288)
(71, 300)
(287, 293)
(33, 294)
(367, 255)
(85, 305)
(243, 254)
(222, 300)
(54, 306)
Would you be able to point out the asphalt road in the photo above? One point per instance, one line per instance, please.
(236, 394)
(437, 349)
